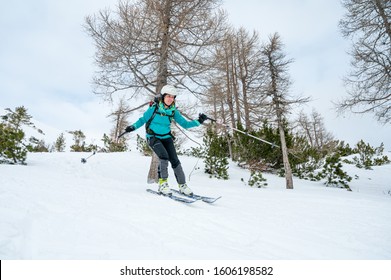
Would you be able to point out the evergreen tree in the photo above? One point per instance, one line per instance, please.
(344, 149)
(256, 155)
(60, 144)
(257, 180)
(143, 147)
(216, 159)
(39, 146)
(17, 118)
(369, 156)
(334, 174)
(12, 149)
(80, 144)
(114, 146)
(13, 145)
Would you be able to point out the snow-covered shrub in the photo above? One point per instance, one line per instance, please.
(216, 155)
(369, 156)
(197, 152)
(256, 180)
(143, 147)
(333, 173)
(13, 145)
(111, 146)
(307, 170)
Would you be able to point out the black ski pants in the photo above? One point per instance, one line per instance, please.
(165, 150)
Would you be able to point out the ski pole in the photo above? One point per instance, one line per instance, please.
(260, 139)
(122, 134)
(245, 133)
(84, 160)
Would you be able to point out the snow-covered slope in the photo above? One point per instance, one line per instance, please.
(58, 208)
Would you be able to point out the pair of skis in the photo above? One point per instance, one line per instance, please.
(177, 196)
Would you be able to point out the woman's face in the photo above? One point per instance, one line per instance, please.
(168, 99)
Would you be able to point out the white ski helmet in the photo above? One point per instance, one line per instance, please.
(168, 89)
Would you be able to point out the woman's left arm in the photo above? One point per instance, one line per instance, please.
(183, 122)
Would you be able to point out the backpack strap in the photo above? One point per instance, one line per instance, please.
(148, 123)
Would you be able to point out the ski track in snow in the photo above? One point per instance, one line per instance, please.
(58, 208)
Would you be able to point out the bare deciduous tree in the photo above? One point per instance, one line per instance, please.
(314, 130)
(239, 77)
(277, 90)
(250, 76)
(149, 43)
(234, 89)
(368, 24)
(145, 44)
(119, 117)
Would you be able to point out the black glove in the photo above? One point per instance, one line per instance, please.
(202, 118)
(130, 128)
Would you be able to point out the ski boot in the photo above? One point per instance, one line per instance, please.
(164, 188)
(184, 189)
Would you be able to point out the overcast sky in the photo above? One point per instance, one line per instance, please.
(46, 61)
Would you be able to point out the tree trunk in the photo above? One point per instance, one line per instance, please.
(153, 170)
(285, 159)
(162, 74)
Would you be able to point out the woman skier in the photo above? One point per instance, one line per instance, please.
(157, 119)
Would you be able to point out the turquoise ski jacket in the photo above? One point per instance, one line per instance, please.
(161, 122)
